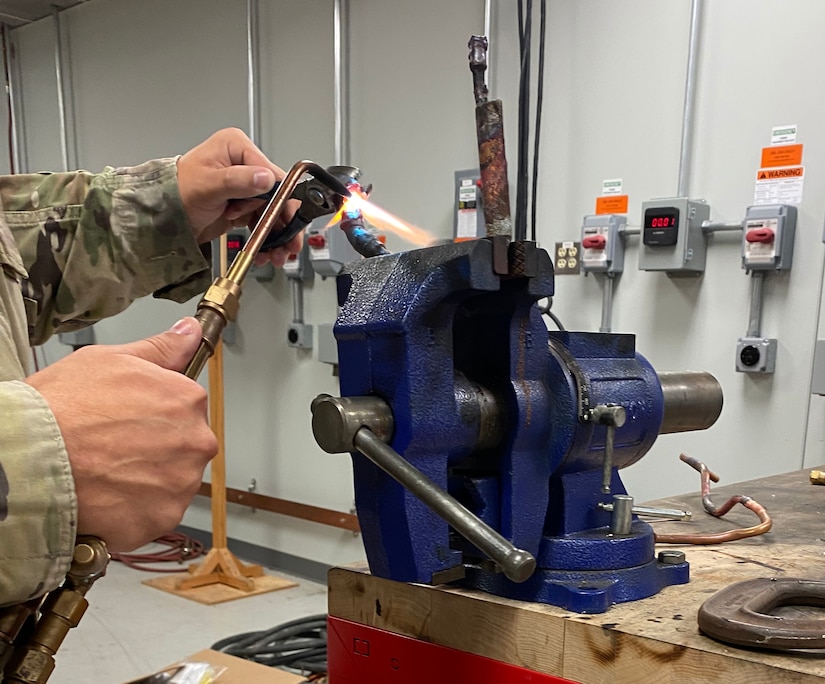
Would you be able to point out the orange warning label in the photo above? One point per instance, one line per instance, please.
(776, 174)
(611, 204)
(782, 155)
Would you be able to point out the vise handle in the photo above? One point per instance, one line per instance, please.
(347, 423)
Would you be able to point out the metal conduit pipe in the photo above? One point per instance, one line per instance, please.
(686, 152)
(341, 81)
(607, 304)
(11, 77)
(252, 67)
(755, 313)
(61, 99)
(488, 27)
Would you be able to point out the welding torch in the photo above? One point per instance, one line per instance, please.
(322, 194)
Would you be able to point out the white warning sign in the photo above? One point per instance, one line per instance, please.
(779, 185)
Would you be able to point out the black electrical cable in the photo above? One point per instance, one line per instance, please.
(545, 310)
(299, 645)
(539, 101)
(525, 31)
(7, 78)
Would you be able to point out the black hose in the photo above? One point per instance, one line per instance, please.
(299, 645)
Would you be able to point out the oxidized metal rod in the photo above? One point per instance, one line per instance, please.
(516, 564)
(495, 188)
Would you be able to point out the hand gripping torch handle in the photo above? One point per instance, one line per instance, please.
(221, 301)
(30, 659)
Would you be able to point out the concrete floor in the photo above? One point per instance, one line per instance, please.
(130, 630)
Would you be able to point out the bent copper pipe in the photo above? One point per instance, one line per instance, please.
(707, 475)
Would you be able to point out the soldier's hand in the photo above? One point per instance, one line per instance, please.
(218, 181)
(136, 433)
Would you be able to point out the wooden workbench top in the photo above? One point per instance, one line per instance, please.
(653, 640)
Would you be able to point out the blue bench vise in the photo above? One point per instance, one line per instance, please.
(485, 448)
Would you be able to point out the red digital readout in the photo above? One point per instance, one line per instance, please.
(663, 222)
(233, 244)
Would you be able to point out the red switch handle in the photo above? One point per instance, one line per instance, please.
(594, 242)
(760, 235)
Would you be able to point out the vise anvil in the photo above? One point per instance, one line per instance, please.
(523, 429)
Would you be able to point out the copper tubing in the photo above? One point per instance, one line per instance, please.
(707, 475)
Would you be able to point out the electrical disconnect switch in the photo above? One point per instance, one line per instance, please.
(768, 237)
(329, 249)
(672, 237)
(602, 245)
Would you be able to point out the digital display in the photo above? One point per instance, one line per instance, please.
(661, 226)
(233, 244)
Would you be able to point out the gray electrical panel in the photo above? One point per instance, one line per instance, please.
(672, 237)
(468, 220)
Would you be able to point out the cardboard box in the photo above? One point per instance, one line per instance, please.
(238, 670)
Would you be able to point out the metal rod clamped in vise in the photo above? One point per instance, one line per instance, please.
(220, 302)
(365, 424)
(495, 189)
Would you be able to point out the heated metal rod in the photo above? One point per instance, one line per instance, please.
(516, 564)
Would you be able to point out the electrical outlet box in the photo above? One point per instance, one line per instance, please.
(568, 258)
(768, 237)
(756, 355)
(602, 243)
(672, 237)
(299, 335)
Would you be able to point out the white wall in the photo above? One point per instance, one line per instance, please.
(614, 97)
(153, 77)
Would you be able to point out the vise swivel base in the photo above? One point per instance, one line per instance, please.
(512, 435)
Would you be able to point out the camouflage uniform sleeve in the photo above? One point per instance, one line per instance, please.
(37, 497)
(93, 243)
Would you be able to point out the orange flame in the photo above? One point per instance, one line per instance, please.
(383, 220)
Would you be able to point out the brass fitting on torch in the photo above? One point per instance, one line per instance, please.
(33, 662)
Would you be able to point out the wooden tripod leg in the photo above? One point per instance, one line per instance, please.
(220, 566)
